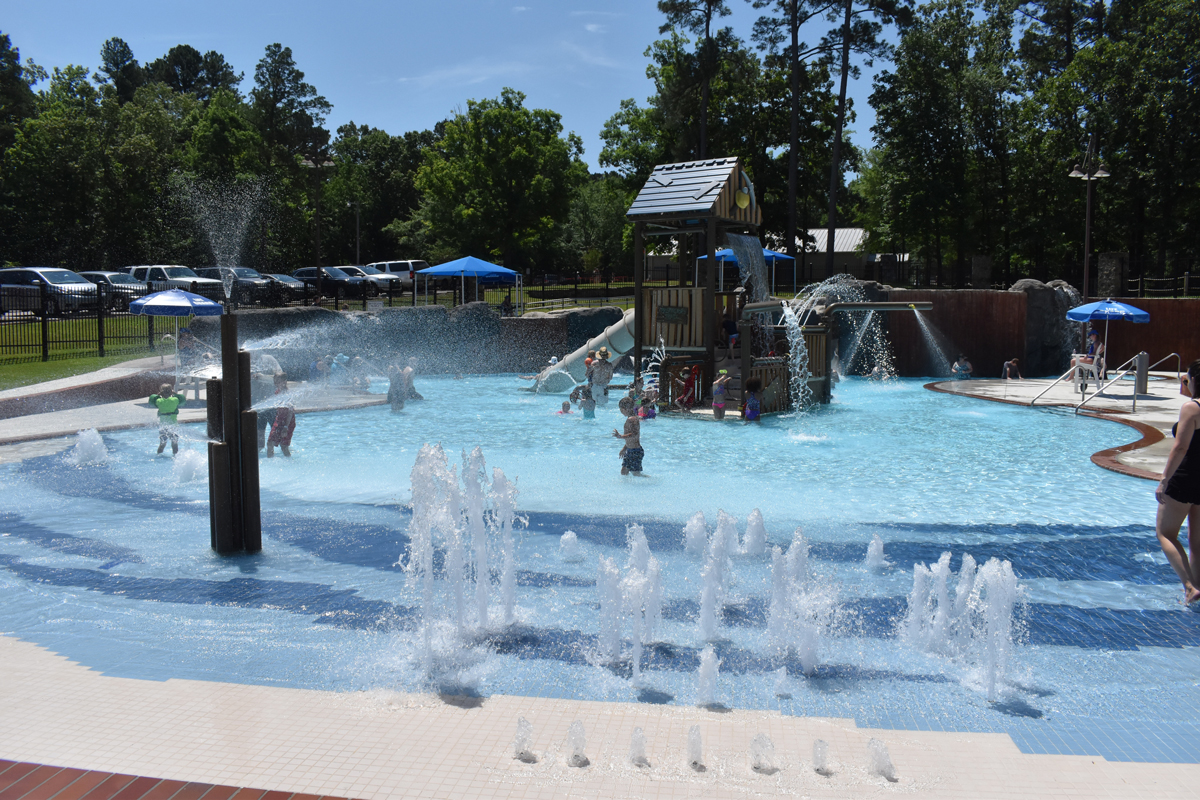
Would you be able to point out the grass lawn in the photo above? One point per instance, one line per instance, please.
(25, 374)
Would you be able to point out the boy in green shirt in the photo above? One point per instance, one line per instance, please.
(168, 404)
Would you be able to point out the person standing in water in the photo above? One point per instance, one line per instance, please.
(1178, 494)
(752, 407)
(602, 375)
(718, 394)
(168, 403)
(632, 453)
(284, 424)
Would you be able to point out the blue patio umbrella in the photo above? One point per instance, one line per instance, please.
(1107, 310)
(176, 303)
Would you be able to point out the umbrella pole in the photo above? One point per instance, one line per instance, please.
(176, 353)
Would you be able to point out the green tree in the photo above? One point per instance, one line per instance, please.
(184, 69)
(499, 183)
(595, 236)
(17, 101)
(119, 69)
(697, 17)
(288, 111)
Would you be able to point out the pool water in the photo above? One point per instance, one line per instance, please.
(109, 563)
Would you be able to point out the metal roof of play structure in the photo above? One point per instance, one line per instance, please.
(681, 195)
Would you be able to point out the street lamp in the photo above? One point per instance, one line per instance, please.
(1091, 174)
(357, 239)
(318, 162)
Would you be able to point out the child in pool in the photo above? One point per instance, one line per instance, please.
(632, 453)
(587, 403)
(285, 422)
(566, 408)
(752, 407)
(718, 394)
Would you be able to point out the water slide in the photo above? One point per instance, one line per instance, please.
(570, 371)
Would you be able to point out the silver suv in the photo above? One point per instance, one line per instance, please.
(21, 289)
(405, 269)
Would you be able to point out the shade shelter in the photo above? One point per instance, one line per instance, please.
(690, 200)
(727, 256)
(176, 303)
(482, 271)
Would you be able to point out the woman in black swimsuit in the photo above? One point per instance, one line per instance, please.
(1179, 493)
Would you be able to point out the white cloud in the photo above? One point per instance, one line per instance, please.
(595, 57)
(595, 27)
(470, 74)
(519, 9)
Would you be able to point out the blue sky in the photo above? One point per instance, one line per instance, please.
(403, 65)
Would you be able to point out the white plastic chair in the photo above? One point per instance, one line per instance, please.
(1085, 372)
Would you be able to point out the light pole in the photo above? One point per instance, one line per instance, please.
(1091, 174)
(318, 162)
(357, 239)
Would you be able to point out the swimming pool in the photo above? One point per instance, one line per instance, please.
(109, 564)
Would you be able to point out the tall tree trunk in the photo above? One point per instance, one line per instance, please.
(704, 92)
(835, 166)
(794, 135)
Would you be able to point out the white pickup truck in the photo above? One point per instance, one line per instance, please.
(161, 275)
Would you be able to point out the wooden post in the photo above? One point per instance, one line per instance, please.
(230, 418)
(710, 298)
(639, 303)
(251, 517)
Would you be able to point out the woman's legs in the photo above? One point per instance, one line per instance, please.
(1171, 514)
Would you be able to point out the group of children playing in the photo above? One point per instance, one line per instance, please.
(640, 404)
(281, 419)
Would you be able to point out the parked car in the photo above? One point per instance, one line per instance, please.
(165, 276)
(21, 289)
(252, 287)
(405, 269)
(382, 280)
(288, 287)
(333, 279)
(119, 289)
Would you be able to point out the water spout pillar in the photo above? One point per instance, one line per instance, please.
(639, 302)
(233, 494)
(1142, 373)
(710, 302)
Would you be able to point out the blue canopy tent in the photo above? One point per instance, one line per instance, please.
(470, 267)
(727, 256)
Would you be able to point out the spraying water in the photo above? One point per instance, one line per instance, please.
(941, 364)
(190, 465)
(474, 476)
(608, 584)
(755, 543)
(706, 677)
(762, 754)
(523, 743)
(821, 757)
(569, 549)
(880, 762)
(695, 749)
(695, 535)
(798, 368)
(223, 210)
(504, 501)
(577, 743)
(637, 749)
(89, 449)
(875, 560)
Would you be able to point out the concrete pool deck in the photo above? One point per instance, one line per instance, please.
(385, 744)
(1156, 412)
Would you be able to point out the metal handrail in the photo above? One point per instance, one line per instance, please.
(1124, 370)
(1052, 385)
(1178, 364)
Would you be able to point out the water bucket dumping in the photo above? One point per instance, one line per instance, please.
(523, 743)
(576, 742)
